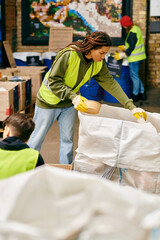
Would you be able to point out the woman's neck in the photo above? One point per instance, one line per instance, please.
(87, 57)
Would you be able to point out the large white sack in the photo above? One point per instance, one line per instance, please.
(50, 203)
(113, 138)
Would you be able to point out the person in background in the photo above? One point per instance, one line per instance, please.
(15, 155)
(134, 49)
(58, 97)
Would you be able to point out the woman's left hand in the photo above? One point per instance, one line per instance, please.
(139, 113)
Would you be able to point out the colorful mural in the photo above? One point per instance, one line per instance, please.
(85, 16)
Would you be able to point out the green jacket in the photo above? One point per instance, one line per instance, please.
(70, 78)
(65, 93)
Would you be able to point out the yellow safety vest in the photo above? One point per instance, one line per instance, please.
(70, 78)
(18, 161)
(138, 53)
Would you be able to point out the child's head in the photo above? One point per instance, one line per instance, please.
(19, 125)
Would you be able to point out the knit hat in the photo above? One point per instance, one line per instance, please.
(126, 21)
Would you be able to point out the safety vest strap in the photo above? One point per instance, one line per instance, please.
(136, 54)
(70, 78)
(45, 82)
(137, 47)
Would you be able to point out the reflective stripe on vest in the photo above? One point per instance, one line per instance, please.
(138, 53)
(15, 162)
(70, 78)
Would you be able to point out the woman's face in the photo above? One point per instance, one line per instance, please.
(98, 54)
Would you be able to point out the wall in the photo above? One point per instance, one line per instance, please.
(152, 66)
(154, 57)
(10, 22)
(139, 18)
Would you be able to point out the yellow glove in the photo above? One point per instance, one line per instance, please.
(79, 104)
(119, 56)
(139, 114)
(122, 48)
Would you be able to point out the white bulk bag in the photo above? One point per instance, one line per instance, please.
(51, 203)
(113, 138)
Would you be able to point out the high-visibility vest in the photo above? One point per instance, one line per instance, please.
(70, 78)
(138, 53)
(17, 161)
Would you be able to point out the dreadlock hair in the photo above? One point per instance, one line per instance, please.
(21, 125)
(94, 41)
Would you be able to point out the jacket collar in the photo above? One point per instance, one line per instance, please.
(13, 143)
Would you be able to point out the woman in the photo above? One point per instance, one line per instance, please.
(135, 51)
(57, 98)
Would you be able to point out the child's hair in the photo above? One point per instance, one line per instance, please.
(94, 41)
(21, 125)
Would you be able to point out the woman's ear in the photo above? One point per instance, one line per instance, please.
(6, 132)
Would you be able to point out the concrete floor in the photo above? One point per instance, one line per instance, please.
(50, 147)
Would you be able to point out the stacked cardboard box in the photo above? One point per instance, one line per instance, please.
(25, 90)
(25, 93)
(9, 98)
(35, 73)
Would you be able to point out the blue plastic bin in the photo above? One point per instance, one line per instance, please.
(48, 58)
(125, 82)
(21, 58)
(91, 90)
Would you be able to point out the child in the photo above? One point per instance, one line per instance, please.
(15, 155)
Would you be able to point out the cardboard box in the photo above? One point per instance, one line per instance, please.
(9, 71)
(35, 73)
(59, 37)
(3, 79)
(36, 81)
(9, 54)
(9, 99)
(37, 68)
(25, 90)
(64, 166)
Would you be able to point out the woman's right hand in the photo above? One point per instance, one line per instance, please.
(79, 104)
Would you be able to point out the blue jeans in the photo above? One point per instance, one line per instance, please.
(44, 118)
(134, 75)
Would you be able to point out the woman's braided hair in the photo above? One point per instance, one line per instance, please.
(94, 41)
